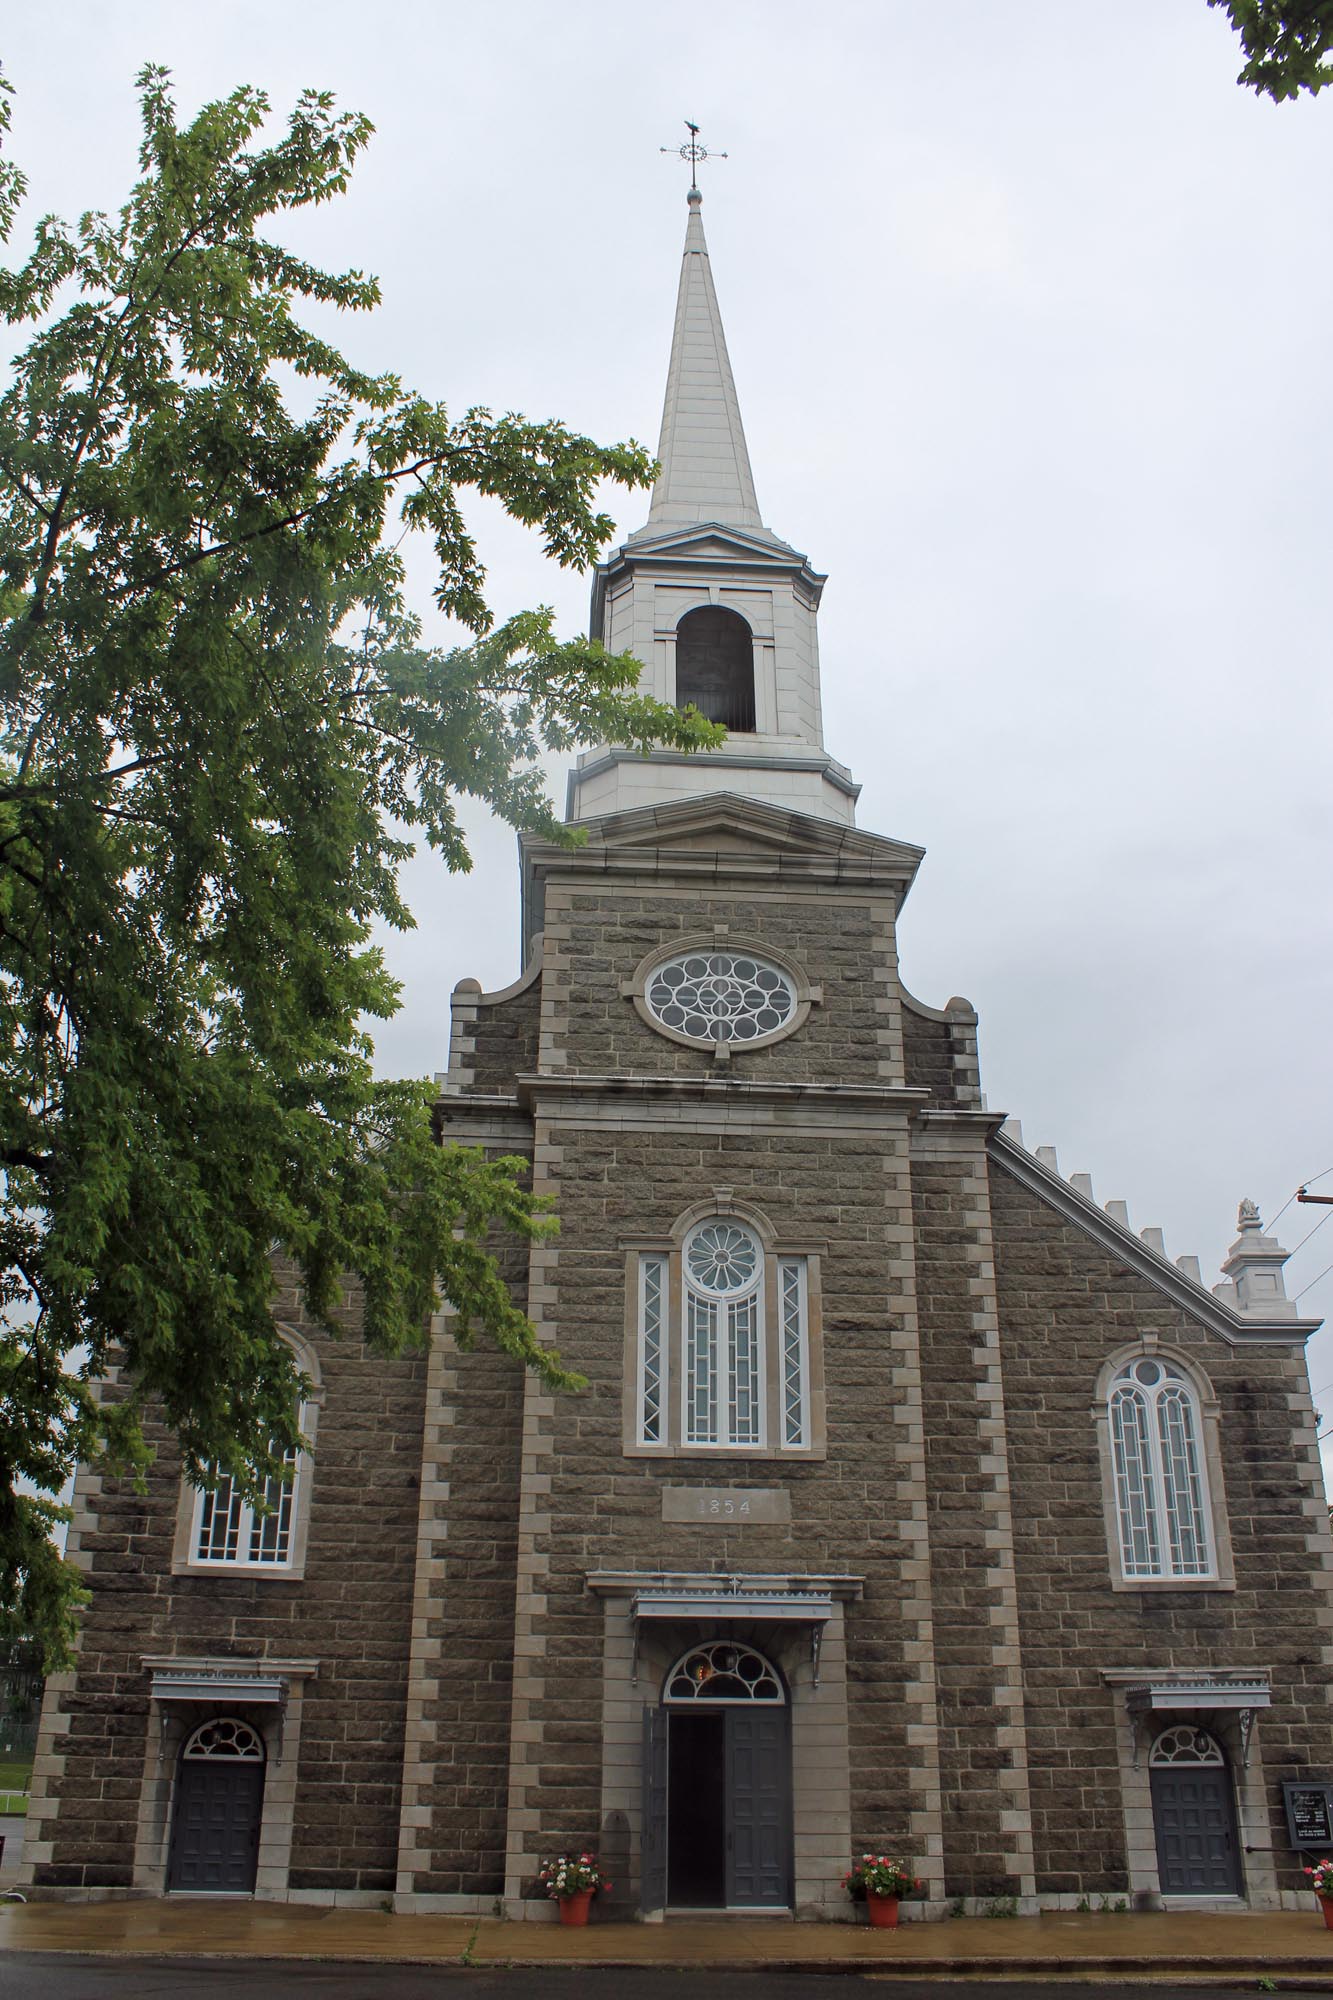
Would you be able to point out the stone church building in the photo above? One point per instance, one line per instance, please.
(914, 1501)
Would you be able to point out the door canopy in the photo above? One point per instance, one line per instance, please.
(724, 1671)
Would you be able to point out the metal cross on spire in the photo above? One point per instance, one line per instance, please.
(694, 153)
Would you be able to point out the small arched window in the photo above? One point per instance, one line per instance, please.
(1161, 1488)
(715, 666)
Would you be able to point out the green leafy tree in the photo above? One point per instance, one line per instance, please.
(221, 733)
(1287, 44)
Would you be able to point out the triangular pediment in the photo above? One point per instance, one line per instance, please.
(708, 541)
(695, 843)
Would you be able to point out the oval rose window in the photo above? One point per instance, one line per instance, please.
(720, 996)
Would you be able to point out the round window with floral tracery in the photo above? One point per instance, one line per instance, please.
(722, 1257)
(720, 996)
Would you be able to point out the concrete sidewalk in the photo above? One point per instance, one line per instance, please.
(1161, 1947)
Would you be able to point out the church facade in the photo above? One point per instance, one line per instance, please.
(914, 1502)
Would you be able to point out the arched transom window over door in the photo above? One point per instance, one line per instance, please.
(1161, 1488)
(1185, 1743)
(723, 1670)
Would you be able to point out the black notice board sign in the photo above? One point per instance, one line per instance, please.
(1310, 1815)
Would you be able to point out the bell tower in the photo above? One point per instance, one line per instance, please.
(721, 612)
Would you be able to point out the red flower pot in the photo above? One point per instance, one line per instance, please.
(574, 1909)
(1326, 1905)
(882, 1911)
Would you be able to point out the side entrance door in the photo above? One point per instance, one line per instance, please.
(1195, 1821)
(218, 1811)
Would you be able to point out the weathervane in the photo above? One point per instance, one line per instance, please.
(694, 153)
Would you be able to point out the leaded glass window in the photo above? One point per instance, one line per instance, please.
(225, 1739)
(795, 1354)
(724, 1373)
(700, 1370)
(723, 1670)
(1160, 1484)
(1186, 1743)
(652, 1357)
(721, 996)
(726, 1363)
(228, 1529)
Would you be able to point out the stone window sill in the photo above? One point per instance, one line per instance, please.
(1156, 1583)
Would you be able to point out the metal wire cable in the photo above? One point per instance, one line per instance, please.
(1291, 1197)
(1313, 1282)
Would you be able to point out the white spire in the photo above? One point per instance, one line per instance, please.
(705, 472)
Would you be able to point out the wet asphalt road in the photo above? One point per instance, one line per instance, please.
(55, 1976)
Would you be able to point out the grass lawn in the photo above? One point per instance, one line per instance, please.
(14, 1786)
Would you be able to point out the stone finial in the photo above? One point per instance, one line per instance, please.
(1154, 1239)
(1119, 1212)
(1191, 1267)
(1049, 1159)
(1253, 1270)
(1083, 1184)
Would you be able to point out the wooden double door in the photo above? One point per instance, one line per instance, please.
(717, 1807)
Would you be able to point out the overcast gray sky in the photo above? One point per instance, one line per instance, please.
(1029, 310)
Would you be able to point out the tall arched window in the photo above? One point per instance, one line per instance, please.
(1161, 1487)
(723, 1385)
(218, 1528)
(715, 666)
(724, 1348)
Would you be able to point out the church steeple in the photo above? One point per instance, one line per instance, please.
(705, 473)
(719, 610)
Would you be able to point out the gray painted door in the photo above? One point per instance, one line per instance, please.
(215, 1826)
(759, 1830)
(653, 1847)
(1195, 1820)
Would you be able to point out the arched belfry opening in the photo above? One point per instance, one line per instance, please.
(715, 666)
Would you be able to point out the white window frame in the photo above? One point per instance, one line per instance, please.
(244, 1525)
(730, 1312)
(196, 1501)
(659, 1295)
(1147, 1508)
(793, 1355)
(653, 1347)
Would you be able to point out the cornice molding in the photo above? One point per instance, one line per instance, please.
(818, 761)
(705, 1089)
